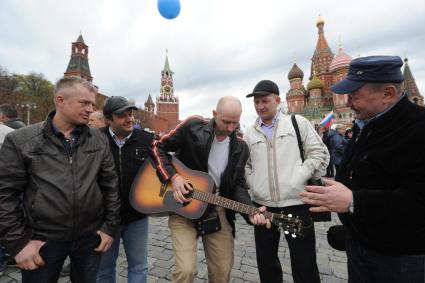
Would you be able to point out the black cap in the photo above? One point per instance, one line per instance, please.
(371, 69)
(263, 88)
(117, 105)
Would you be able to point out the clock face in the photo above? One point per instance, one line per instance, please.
(167, 88)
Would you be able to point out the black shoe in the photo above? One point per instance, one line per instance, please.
(66, 270)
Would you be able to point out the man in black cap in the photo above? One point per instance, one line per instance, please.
(276, 174)
(379, 190)
(130, 147)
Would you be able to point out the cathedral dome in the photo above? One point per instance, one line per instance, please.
(341, 60)
(315, 83)
(320, 21)
(295, 73)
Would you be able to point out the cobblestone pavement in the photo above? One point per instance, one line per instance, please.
(332, 263)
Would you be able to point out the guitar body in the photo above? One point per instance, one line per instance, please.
(145, 194)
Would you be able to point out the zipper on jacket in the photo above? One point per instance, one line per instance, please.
(272, 177)
(120, 161)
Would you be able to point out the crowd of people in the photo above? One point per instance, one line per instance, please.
(65, 183)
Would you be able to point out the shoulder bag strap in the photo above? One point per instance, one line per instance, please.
(297, 131)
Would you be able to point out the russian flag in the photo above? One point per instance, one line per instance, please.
(327, 121)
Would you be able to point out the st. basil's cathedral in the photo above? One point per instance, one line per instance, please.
(316, 100)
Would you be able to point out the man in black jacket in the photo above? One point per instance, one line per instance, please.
(213, 147)
(379, 190)
(130, 147)
(59, 190)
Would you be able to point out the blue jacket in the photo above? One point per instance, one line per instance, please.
(337, 145)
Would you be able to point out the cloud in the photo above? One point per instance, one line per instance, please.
(215, 47)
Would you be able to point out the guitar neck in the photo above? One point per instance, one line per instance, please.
(228, 203)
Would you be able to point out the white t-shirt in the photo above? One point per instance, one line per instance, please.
(217, 159)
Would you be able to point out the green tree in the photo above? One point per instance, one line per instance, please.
(9, 87)
(37, 89)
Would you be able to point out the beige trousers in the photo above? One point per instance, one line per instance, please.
(218, 249)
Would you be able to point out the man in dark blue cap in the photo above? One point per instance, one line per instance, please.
(379, 190)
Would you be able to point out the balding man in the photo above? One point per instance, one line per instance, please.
(65, 172)
(96, 120)
(211, 146)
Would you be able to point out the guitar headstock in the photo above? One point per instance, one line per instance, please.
(288, 224)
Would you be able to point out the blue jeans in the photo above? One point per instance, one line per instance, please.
(84, 261)
(367, 266)
(135, 240)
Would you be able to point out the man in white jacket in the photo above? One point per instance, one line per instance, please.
(276, 175)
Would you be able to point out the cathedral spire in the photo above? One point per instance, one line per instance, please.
(79, 63)
(410, 87)
(323, 55)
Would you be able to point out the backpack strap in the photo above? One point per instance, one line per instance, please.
(297, 131)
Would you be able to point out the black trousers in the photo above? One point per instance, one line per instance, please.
(302, 249)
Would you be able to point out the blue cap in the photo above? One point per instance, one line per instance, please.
(371, 69)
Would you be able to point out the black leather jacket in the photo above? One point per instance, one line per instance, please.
(128, 160)
(65, 196)
(191, 140)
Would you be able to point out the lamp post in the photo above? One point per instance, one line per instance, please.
(29, 106)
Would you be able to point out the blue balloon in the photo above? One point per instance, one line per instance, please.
(169, 9)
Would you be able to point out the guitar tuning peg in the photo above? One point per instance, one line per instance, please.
(293, 235)
(286, 232)
(289, 215)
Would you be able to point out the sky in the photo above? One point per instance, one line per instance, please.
(215, 47)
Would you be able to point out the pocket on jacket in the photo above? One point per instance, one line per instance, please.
(141, 153)
(299, 177)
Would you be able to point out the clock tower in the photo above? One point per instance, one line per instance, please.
(79, 63)
(167, 104)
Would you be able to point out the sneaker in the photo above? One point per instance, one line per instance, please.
(66, 270)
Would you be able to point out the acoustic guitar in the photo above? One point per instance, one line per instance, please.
(148, 195)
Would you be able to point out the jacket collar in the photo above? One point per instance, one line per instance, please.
(209, 128)
(283, 125)
(390, 118)
(48, 127)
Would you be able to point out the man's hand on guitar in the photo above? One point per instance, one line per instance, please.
(259, 218)
(180, 188)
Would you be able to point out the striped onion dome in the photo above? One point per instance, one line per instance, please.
(295, 73)
(341, 60)
(315, 83)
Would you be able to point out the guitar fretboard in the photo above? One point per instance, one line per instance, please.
(228, 203)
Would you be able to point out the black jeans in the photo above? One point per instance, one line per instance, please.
(302, 250)
(367, 266)
(84, 261)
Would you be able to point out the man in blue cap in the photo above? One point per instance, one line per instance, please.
(379, 190)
